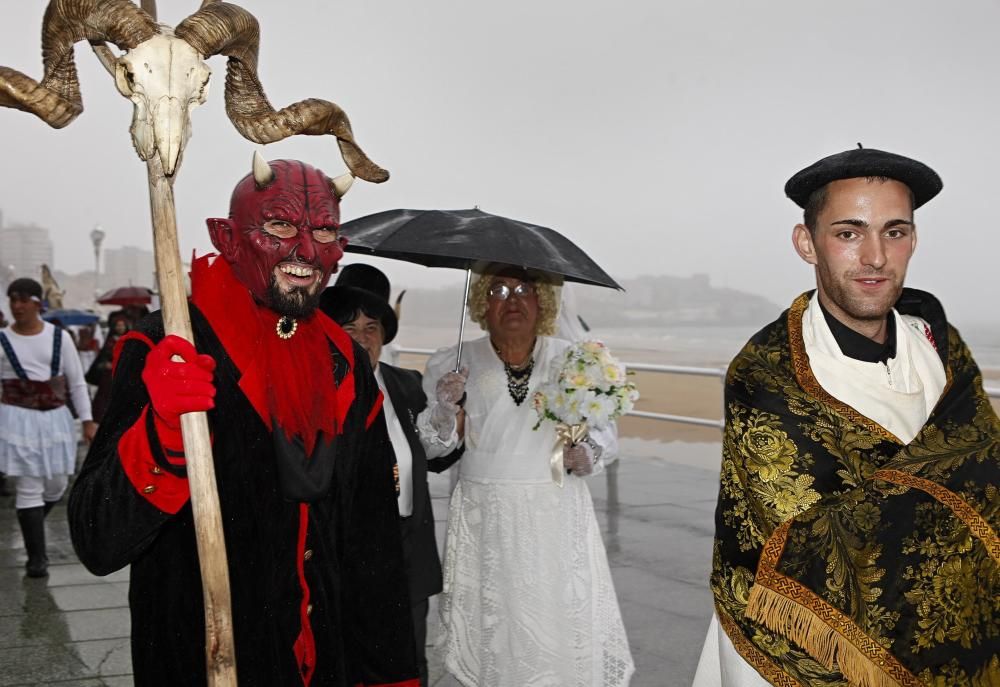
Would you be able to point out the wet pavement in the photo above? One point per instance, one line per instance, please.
(655, 509)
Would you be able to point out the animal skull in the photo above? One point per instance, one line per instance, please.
(163, 72)
(165, 78)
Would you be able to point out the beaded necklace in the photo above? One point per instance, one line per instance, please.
(518, 376)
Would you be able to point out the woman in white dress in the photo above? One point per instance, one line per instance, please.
(528, 599)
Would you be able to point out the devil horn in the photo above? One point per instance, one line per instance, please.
(341, 184)
(263, 175)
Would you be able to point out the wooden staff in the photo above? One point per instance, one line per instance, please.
(220, 650)
(218, 28)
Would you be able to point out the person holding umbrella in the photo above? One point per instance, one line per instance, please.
(528, 596)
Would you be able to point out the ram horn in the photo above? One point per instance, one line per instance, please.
(56, 98)
(149, 7)
(221, 28)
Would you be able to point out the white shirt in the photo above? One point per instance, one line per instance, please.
(898, 394)
(404, 456)
(34, 352)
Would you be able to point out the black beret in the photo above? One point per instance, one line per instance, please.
(865, 162)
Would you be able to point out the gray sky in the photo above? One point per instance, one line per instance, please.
(657, 135)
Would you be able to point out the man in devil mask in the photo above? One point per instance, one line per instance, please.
(302, 460)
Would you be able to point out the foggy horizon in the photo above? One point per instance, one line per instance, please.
(657, 137)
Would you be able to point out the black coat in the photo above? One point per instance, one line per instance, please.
(420, 552)
(358, 606)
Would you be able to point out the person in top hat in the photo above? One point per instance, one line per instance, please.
(41, 371)
(856, 529)
(359, 302)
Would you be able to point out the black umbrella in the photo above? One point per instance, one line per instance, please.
(462, 238)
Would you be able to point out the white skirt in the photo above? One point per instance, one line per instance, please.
(37, 443)
(528, 599)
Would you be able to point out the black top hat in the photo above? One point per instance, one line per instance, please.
(364, 289)
(865, 162)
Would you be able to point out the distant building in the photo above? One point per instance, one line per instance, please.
(127, 266)
(24, 248)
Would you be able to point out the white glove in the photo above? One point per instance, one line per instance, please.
(449, 391)
(579, 459)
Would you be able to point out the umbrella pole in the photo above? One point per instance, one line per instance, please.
(219, 647)
(461, 323)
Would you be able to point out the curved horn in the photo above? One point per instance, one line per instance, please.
(56, 98)
(221, 28)
(342, 184)
(263, 175)
(149, 7)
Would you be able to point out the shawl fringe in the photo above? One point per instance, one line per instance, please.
(830, 648)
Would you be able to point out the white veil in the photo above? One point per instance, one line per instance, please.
(569, 325)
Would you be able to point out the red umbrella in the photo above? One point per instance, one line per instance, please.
(127, 295)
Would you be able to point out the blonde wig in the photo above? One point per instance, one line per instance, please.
(546, 286)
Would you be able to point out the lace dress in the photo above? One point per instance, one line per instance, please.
(528, 598)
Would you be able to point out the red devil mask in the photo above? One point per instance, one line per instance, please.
(281, 238)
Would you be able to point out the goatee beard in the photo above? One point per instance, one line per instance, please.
(298, 302)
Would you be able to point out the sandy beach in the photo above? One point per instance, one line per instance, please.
(675, 394)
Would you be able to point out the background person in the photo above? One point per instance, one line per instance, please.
(41, 371)
(359, 302)
(528, 596)
(100, 371)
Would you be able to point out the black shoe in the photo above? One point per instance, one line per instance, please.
(32, 522)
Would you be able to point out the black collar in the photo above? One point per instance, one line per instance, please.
(858, 346)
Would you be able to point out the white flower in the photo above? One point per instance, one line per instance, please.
(589, 386)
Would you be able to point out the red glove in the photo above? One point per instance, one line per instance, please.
(177, 387)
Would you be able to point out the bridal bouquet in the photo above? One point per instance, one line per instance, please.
(590, 388)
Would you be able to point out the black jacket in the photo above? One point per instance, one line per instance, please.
(420, 552)
(357, 605)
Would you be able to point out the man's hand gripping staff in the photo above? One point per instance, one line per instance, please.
(177, 386)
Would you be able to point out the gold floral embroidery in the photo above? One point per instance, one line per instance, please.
(797, 462)
(956, 584)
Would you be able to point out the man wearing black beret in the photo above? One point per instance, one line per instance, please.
(856, 529)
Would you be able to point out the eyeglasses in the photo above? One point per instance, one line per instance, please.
(501, 291)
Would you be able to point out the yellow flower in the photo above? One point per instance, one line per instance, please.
(867, 515)
(771, 644)
(767, 450)
(741, 582)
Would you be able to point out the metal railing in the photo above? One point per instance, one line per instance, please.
(644, 367)
(717, 372)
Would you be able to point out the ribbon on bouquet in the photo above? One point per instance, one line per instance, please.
(566, 435)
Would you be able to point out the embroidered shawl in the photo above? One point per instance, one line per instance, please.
(841, 555)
